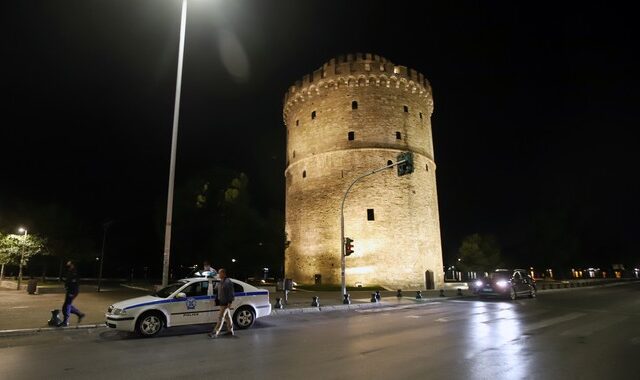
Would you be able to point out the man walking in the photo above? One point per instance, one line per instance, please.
(72, 288)
(224, 299)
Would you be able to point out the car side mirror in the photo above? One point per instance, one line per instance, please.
(181, 295)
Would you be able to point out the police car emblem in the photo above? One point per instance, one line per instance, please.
(191, 303)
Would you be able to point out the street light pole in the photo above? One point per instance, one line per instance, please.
(24, 242)
(104, 239)
(174, 140)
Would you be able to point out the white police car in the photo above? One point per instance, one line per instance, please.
(187, 302)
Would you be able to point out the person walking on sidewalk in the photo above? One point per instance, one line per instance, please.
(71, 292)
(224, 298)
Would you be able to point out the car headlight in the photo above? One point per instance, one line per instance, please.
(119, 312)
(478, 283)
(502, 283)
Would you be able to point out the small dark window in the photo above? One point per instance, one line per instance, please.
(354, 105)
(398, 136)
(389, 162)
(304, 174)
(427, 167)
(352, 136)
(370, 215)
(406, 108)
(294, 154)
(420, 115)
(297, 122)
(313, 115)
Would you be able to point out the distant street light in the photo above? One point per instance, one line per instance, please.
(24, 243)
(174, 140)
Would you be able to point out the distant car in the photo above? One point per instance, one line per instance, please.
(187, 302)
(506, 283)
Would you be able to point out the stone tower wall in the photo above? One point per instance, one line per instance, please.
(329, 144)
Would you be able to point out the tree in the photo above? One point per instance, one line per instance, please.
(13, 247)
(479, 253)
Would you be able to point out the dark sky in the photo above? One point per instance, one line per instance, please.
(534, 106)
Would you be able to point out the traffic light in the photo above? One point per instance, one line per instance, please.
(348, 246)
(407, 166)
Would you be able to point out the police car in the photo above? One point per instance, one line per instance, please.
(189, 301)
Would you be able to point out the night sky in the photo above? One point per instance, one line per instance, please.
(534, 109)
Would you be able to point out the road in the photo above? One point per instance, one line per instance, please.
(585, 333)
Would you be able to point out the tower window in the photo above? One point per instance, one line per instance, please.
(420, 115)
(370, 215)
(406, 108)
(313, 115)
(304, 174)
(398, 136)
(427, 167)
(367, 67)
(352, 136)
(389, 162)
(354, 105)
(297, 122)
(294, 154)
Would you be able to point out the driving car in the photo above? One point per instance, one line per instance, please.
(188, 301)
(506, 283)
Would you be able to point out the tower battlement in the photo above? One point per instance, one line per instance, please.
(353, 70)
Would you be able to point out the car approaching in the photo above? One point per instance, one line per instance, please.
(505, 283)
(189, 301)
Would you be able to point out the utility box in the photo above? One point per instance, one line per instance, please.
(32, 286)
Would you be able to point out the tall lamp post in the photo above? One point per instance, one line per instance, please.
(24, 242)
(104, 239)
(174, 139)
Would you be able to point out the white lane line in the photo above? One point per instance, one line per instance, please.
(551, 321)
(592, 327)
(388, 308)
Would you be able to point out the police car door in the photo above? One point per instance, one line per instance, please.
(192, 309)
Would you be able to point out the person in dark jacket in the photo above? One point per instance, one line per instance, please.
(225, 296)
(71, 292)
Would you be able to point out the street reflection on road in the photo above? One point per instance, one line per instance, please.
(494, 346)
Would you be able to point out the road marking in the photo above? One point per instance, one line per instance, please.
(590, 328)
(389, 308)
(19, 307)
(552, 321)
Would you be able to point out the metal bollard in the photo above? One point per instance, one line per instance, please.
(315, 302)
(459, 292)
(373, 297)
(278, 304)
(441, 292)
(347, 300)
(399, 293)
(378, 297)
(418, 295)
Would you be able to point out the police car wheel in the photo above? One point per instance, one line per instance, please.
(149, 324)
(244, 317)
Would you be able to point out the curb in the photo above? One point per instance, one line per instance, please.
(20, 332)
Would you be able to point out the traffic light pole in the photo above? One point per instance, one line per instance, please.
(342, 244)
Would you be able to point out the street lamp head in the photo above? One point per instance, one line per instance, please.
(21, 229)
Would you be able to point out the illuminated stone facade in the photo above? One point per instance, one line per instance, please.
(353, 115)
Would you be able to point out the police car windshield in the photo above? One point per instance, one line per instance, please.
(168, 290)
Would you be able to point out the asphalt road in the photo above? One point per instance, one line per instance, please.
(585, 333)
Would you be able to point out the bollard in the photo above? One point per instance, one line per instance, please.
(278, 304)
(459, 292)
(373, 297)
(55, 320)
(399, 294)
(347, 300)
(441, 292)
(378, 297)
(418, 295)
(315, 302)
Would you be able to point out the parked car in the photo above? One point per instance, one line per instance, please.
(187, 302)
(506, 283)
